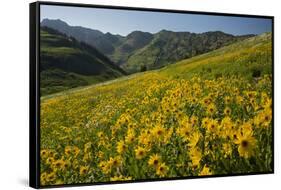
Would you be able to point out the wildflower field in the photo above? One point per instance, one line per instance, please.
(208, 115)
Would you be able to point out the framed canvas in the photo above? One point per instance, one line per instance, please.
(121, 94)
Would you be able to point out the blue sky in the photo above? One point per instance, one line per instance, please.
(125, 21)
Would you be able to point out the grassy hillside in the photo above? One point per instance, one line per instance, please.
(133, 42)
(250, 58)
(140, 49)
(67, 63)
(168, 47)
(210, 114)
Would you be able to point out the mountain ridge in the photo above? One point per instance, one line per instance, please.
(143, 49)
(67, 63)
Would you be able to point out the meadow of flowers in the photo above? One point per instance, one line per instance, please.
(152, 126)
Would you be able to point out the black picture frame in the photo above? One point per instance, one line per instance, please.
(34, 90)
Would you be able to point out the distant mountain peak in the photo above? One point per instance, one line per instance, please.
(47, 21)
(218, 33)
(164, 30)
(139, 34)
(64, 27)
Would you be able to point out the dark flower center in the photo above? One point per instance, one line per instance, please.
(244, 143)
(159, 132)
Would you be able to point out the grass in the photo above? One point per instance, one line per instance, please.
(59, 51)
(242, 58)
(207, 115)
(67, 63)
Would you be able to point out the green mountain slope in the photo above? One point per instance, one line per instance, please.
(105, 43)
(145, 50)
(116, 47)
(169, 47)
(67, 63)
(133, 42)
(248, 59)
